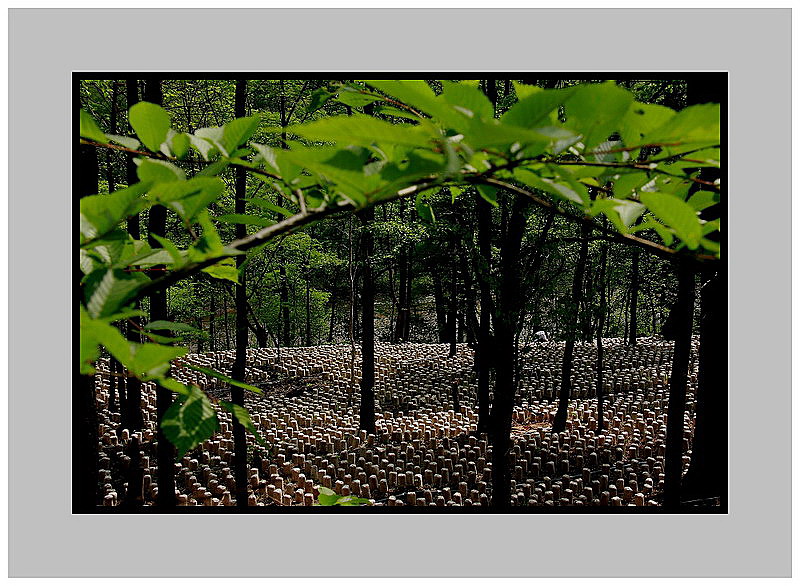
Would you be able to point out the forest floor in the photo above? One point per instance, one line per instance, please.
(424, 452)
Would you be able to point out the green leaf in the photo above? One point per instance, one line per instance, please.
(188, 198)
(126, 141)
(156, 171)
(424, 209)
(466, 99)
(640, 119)
(268, 205)
(359, 129)
(89, 129)
(596, 111)
(107, 290)
(189, 421)
(537, 108)
(319, 98)
(415, 93)
(152, 360)
(99, 214)
(488, 193)
(203, 146)
(699, 124)
(327, 497)
(243, 416)
(238, 131)
(98, 331)
(676, 214)
(248, 219)
(224, 270)
(224, 378)
(354, 98)
(172, 326)
(703, 199)
(180, 145)
(524, 90)
(151, 124)
(178, 256)
(568, 192)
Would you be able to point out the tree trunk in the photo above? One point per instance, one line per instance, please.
(240, 358)
(367, 410)
(508, 308)
(286, 332)
(333, 318)
(157, 223)
(132, 418)
(308, 340)
(452, 318)
(484, 355)
(560, 421)
(84, 406)
(684, 309)
(634, 296)
(708, 469)
(600, 325)
(441, 308)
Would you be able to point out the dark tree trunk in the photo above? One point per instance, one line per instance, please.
(452, 318)
(333, 319)
(484, 355)
(506, 319)
(402, 326)
(684, 309)
(212, 334)
(308, 340)
(240, 357)
(600, 325)
(560, 421)
(84, 406)
(708, 470)
(367, 409)
(225, 319)
(114, 365)
(634, 296)
(441, 308)
(286, 332)
(157, 223)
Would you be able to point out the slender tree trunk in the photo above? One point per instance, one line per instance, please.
(157, 223)
(600, 325)
(114, 365)
(684, 309)
(441, 309)
(212, 334)
(286, 332)
(132, 418)
(506, 320)
(367, 410)
(484, 355)
(452, 319)
(240, 358)
(225, 319)
(308, 340)
(333, 319)
(560, 421)
(634, 326)
(84, 406)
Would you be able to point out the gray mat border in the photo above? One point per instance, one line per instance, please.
(45, 45)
